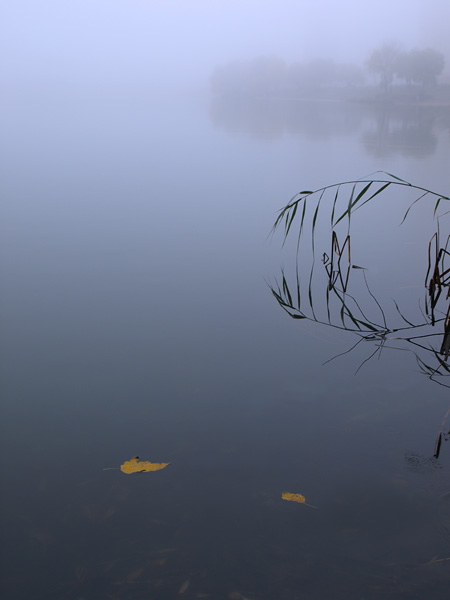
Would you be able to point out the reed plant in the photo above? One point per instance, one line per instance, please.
(329, 296)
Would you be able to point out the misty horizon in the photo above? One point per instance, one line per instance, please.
(175, 44)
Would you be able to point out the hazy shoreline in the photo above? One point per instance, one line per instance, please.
(366, 96)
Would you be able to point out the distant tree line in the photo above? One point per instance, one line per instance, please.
(268, 75)
(417, 66)
(271, 75)
(322, 73)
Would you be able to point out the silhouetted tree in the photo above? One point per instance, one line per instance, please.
(425, 66)
(403, 67)
(321, 73)
(383, 62)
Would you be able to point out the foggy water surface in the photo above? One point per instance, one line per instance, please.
(137, 319)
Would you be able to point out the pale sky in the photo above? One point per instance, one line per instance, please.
(166, 42)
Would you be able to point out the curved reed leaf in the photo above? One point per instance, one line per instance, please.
(354, 205)
(342, 309)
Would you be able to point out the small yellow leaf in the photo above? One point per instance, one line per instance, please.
(296, 498)
(293, 497)
(140, 466)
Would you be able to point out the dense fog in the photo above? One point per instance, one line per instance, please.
(175, 44)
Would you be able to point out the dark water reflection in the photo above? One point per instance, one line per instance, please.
(383, 130)
(411, 132)
(137, 321)
(269, 118)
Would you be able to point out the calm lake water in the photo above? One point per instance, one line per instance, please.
(137, 319)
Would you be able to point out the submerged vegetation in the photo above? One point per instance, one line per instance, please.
(338, 294)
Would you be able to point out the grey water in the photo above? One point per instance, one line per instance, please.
(137, 320)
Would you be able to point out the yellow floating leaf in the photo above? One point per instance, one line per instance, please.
(140, 466)
(293, 497)
(296, 498)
